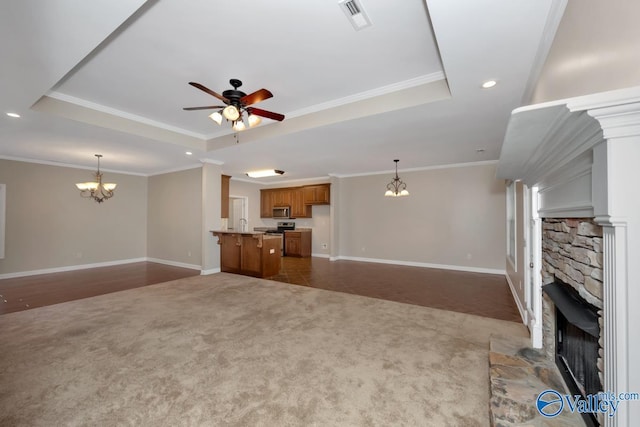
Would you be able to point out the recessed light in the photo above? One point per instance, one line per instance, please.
(188, 153)
(264, 173)
(489, 84)
(14, 115)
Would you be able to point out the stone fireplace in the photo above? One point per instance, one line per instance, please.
(572, 321)
(579, 157)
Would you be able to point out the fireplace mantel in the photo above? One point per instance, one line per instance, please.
(583, 155)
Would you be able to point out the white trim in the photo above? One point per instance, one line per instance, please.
(579, 211)
(67, 165)
(514, 294)
(70, 268)
(122, 114)
(178, 169)
(533, 286)
(422, 264)
(554, 17)
(448, 166)
(363, 96)
(212, 161)
(210, 271)
(318, 180)
(175, 263)
(321, 256)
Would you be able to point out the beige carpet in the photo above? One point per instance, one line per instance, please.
(226, 350)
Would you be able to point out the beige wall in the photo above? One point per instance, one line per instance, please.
(48, 224)
(595, 49)
(174, 231)
(453, 217)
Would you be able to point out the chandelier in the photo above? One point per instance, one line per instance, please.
(396, 188)
(96, 190)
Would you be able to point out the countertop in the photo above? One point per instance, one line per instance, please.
(246, 233)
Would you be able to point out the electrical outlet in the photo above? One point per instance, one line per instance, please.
(324, 246)
(189, 253)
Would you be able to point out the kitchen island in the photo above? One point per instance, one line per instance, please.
(249, 253)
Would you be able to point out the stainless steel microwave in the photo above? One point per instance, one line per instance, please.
(281, 212)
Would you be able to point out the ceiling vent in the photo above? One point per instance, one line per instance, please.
(356, 14)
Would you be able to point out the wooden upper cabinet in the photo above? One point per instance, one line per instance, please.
(281, 196)
(317, 194)
(300, 199)
(298, 207)
(266, 203)
(224, 196)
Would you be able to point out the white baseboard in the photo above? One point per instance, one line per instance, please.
(422, 264)
(321, 255)
(70, 268)
(175, 263)
(514, 294)
(210, 271)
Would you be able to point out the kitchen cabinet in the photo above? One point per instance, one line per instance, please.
(317, 194)
(297, 243)
(224, 196)
(266, 203)
(249, 254)
(298, 207)
(281, 197)
(300, 199)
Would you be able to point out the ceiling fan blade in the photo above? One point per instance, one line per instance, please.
(255, 97)
(209, 91)
(268, 114)
(210, 107)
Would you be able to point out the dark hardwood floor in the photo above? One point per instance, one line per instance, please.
(24, 293)
(485, 295)
(481, 294)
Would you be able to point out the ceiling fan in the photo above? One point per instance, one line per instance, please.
(236, 104)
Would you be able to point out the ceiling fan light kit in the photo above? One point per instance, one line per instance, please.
(237, 105)
(216, 117)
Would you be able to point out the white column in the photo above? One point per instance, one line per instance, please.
(211, 195)
(616, 317)
(618, 211)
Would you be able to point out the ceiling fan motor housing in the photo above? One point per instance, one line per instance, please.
(234, 95)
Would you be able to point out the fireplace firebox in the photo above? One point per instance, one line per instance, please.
(577, 346)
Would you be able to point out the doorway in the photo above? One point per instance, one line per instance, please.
(238, 213)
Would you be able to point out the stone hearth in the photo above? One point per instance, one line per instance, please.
(518, 374)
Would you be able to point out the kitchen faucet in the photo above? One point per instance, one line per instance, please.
(243, 224)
